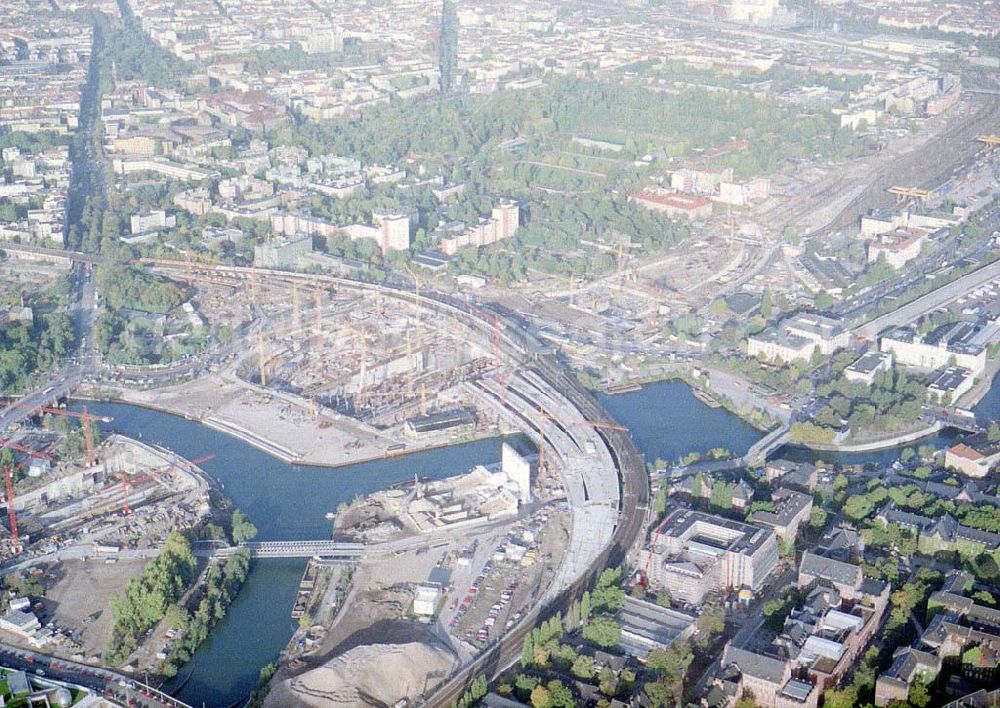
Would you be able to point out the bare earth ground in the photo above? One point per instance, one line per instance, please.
(81, 598)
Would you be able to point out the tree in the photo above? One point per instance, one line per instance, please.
(668, 666)
(767, 304)
(710, 624)
(243, 528)
(919, 696)
(540, 697)
(607, 682)
(524, 684)
(817, 517)
(559, 695)
(527, 652)
(585, 607)
(858, 507)
(602, 631)
(846, 697)
(583, 667)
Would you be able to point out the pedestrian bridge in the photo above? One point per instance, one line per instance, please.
(334, 550)
(767, 445)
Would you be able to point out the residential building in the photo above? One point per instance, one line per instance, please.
(798, 336)
(974, 457)
(943, 533)
(791, 508)
(151, 220)
(282, 252)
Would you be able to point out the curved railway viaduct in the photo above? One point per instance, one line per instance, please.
(541, 380)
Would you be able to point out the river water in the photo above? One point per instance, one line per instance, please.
(288, 502)
(285, 502)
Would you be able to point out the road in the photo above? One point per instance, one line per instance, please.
(101, 681)
(84, 362)
(931, 301)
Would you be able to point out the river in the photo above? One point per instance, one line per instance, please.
(289, 502)
(285, 502)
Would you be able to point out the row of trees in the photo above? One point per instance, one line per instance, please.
(222, 583)
(147, 598)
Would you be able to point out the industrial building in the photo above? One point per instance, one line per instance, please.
(647, 626)
(693, 554)
(673, 204)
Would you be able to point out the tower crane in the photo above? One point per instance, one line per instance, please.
(9, 479)
(84, 417)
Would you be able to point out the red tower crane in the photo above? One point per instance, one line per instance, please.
(9, 478)
(644, 580)
(84, 417)
(155, 475)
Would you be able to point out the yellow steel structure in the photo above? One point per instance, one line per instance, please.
(911, 193)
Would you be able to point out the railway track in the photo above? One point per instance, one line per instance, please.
(528, 352)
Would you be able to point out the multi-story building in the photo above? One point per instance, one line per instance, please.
(673, 204)
(958, 627)
(791, 508)
(868, 366)
(974, 457)
(798, 336)
(897, 248)
(693, 554)
(157, 219)
(943, 533)
(956, 344)
(502, 224)
(394, 231)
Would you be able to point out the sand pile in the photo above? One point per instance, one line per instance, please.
(369, 675)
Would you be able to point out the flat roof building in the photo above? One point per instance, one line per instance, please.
(694, 554)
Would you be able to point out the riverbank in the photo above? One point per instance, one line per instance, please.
(970, 400)
(287, 428)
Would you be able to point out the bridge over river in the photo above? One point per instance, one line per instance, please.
(332, 550)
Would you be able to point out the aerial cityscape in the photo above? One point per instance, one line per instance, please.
(466, 353)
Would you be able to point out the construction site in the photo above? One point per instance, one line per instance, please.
(326, 375)
(84, 512)
(58, 501)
